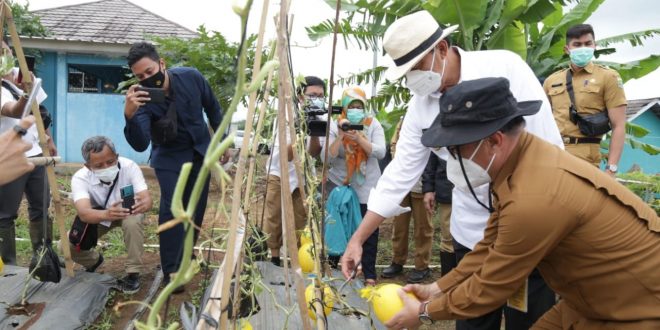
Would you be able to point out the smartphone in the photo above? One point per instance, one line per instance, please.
(31, 98)
(128, 197)
(30, 65)
(157, 95)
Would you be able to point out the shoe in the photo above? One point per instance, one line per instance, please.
(179, 289)
(96, 265)
(370, 282)
(392, 270)
(276, 261)
(417, 276)
(130, 284)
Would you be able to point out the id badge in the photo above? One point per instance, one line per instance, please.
(518, 300)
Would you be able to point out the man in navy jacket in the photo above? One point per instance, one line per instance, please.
(184, 138)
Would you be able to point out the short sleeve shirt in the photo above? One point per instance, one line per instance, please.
(85, 184)
(596, 89)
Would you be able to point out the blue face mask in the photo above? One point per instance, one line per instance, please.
(581, 56)
(355, 116)
(317, 102)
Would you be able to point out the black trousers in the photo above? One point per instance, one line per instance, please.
(32, 184)
(369, 251)
(540, 298)
(171, 240)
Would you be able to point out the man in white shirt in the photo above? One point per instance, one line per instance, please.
(421, 52)
(312, 93)
(91, 187)
(33, 184)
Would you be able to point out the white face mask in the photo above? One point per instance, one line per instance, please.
(424, 83)
(476, 174)
(107, 174)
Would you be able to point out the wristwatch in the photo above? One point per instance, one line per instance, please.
(424, 316)
(612, 168)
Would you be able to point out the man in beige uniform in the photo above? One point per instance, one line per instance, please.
(596, 243)
(596, 89)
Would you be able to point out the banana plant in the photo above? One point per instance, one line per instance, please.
(534, 29)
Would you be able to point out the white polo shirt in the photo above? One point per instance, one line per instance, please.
(468, 218)
(85, 184)
(8, 123)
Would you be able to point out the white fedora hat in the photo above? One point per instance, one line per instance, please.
(409, 38)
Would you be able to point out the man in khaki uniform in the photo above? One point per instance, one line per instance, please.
(595, 242)
(596, 89)
(423, 231)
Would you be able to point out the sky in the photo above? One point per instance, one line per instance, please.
(613, 17)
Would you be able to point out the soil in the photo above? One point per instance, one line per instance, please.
(117, 318)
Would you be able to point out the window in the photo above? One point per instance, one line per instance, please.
(95, 78)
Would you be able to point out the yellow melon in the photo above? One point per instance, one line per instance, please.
(385, 300)
(328, 300)
(306, 258)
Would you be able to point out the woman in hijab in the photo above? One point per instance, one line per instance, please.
(356, 143)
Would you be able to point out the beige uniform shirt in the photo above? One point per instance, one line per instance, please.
(596, 244)
(596, 89)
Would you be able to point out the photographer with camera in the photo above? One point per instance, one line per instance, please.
(98, 196)
(311, 96)
(357, 142)
(166, 110)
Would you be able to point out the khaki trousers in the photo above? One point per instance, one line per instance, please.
(423, 232)
(589, 152)
(273, 213)
(133, 228)
(442, 216)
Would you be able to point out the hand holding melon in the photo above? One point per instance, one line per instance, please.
(386, 300)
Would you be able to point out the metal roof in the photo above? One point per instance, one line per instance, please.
(107, 21)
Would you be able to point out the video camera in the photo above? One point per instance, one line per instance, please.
(348, 127)
(315, 126)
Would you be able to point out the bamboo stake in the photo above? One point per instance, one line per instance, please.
(253, 101)
(238, 181)
(50, 171)
(284, 96)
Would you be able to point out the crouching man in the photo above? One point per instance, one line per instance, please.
(98, 200)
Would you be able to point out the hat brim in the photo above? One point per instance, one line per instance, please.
(395, 72)
(444, 136)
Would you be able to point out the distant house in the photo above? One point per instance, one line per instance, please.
(84, 59)
(645, 113)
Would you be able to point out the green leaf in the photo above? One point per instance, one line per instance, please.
(492, 17)
(468, 14)
(512, 8)
(347, 6)
(635, 38)
(512, 39)
(537, 11)
(636, 130)
(635, 69)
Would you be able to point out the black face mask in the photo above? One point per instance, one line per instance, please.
(155, 81)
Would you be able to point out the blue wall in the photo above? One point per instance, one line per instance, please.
(649, 164)
(78, 116)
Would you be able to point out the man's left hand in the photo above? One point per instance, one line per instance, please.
(408, 317)
(140, 206)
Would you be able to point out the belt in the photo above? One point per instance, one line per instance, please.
(576, 140)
